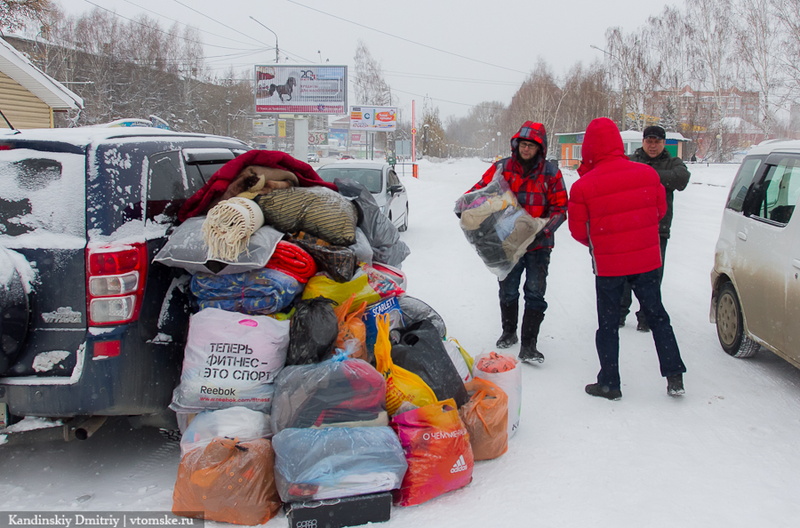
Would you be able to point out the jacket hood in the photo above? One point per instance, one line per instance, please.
(531, 131)
(601, 142)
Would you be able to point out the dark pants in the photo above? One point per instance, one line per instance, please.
(627, 299)
(534, 264)
(647, 288)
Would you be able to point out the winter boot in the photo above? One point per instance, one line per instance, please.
(531, 322)
(509, 313)
(675, 385)
(602, 391)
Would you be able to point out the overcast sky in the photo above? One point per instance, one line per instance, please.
(456, 52)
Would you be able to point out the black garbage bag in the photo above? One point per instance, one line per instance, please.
(421, 350)
(313, 331)
(415, 310)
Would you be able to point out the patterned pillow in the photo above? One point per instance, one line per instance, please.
(316, 210)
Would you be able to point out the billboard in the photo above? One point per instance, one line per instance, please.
(298, 89)
(372, 118)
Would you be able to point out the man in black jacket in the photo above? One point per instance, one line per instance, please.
(674, 177)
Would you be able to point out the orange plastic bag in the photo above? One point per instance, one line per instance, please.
(486, 417)
(351, 326)
(437, 448)
(228, 481)
(401, 385)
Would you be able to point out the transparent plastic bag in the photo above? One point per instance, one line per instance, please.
(334, 462)
(498, 228)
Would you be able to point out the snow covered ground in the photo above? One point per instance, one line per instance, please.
(722, 455)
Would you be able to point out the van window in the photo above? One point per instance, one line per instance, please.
(742, 182)
(774, 197)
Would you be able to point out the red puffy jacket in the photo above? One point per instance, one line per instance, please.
(615, 206)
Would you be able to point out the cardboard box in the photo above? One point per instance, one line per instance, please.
(336, 513)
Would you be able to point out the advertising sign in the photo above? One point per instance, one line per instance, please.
(263, 128)
(383, 118)
(298, 89)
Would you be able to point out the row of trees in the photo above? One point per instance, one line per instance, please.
(132, 68)
(710, 45)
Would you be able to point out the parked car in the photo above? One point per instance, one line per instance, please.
(89, 325)
(755, 298)
(381, 181)
(313, 158)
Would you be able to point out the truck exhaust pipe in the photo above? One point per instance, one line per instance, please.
(83, 429)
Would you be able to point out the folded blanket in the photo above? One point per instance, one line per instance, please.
(293, 260)
(259, 292)
(201, 201)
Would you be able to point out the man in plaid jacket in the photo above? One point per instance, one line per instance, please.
(539, 188)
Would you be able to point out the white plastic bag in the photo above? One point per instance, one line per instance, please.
(230, 359)
(509, 380)
(234, 422)
(456, 354)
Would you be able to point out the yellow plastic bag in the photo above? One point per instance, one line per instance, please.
(401, 385)
(322, 286)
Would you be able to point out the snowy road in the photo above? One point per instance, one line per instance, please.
(723, 455)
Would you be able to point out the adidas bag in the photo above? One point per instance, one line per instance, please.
(437, 448)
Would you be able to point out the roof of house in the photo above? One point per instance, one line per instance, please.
(51, 92)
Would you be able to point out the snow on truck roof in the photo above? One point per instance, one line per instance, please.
(81, 136)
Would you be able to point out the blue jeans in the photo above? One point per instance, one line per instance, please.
(647, 288)
(535, 264)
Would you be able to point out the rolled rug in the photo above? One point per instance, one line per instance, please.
(228, 226)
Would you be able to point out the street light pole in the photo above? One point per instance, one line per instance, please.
(622, 84)
(277, 53)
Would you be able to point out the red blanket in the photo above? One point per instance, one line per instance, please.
(293, 260)
(199, 202)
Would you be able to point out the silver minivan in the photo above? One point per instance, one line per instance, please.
(755, 282)
(381, 181)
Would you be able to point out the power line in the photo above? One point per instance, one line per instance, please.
(445, 78)
(405, 39)
(165, 32)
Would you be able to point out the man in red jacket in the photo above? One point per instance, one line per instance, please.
(614, 208)
(539, 188)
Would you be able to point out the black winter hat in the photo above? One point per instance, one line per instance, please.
(654, 131)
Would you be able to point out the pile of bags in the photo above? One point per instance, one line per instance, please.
(309, 374)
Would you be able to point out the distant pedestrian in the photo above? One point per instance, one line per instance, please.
(674, 177)
(539, 188)
(614, 209)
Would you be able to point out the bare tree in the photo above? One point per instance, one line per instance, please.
(14, 14)
(757, 46)
(636, 57)
(473, 132)
(585, 96)
(368, 82)
(538, 99)
(787, 13)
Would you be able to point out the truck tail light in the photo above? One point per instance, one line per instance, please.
(115, 277)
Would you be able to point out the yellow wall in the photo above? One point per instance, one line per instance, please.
(21, 107)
